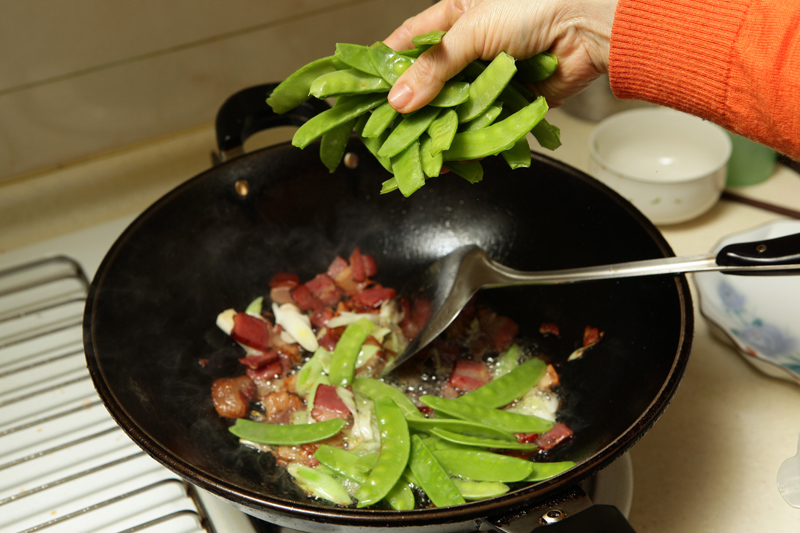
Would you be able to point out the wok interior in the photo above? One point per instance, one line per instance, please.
(203, 248)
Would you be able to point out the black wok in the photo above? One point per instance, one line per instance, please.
(211, 244)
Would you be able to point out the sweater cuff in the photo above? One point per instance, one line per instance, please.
(675, 53)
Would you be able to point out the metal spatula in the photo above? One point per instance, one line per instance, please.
(447, 285)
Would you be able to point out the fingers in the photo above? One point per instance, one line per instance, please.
(423, 81)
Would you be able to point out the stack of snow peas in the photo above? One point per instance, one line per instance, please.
(485, 110)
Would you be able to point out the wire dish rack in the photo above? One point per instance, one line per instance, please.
(64, 463)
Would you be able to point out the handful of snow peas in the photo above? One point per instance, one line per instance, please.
(485, 110)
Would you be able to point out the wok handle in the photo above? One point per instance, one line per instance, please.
(772, 252)
(246, 112)
(570, 512)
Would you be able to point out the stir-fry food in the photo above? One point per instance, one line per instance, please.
(462, 421)
(485, 110)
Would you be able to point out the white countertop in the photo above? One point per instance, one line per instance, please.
(710, 462)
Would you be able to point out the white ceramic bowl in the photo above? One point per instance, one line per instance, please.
(670, 165)
(757, 315)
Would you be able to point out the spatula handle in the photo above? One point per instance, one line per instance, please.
(771, 252)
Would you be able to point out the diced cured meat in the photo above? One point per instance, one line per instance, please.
(232, 396)
(296, 454)
(320, 318)
(259, 360)
(329, 339)
(591, 336)
(550, 328)
(339, 267)
(372, 298)
(557, 434)
(284, 279)
(370, 266)
(357, 266)
(499, 329)
(469, 375)
(279, 406)
(328, 404)
(324, 289)
(270, 371)
(304, 299)
(252, 331)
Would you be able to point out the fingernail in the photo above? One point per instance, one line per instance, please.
(400, 96)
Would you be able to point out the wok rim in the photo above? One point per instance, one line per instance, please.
(515, 501)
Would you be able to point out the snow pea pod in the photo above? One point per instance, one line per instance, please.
(356, 56)
(286, 434)
(480, 490)
(375, 389)
(464, 427)
(537, 68)
(380, 119)
(484, 119)
(487, 87)
(431, 162)
(389, 64)
(408, 130)
(346, 351)
(500, 136)
(513, 422)
(519, 155)
(508, 387)
(431, 37)
(401, 497)
(340, 461)
(407, 168)
(431, 476)
(319, 484)
(372, 144)
(472, 171)
(481, 465)
(349, 81)
(393, 457)
(442, 130)
(452, 94)
(347, 110)
(547, 470)
(334, 143)
(468, 440)
(293, 91)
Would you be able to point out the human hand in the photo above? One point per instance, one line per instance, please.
(577, 32)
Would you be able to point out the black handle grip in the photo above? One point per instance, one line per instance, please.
(595, 519)
(246, 112)
(773, 252)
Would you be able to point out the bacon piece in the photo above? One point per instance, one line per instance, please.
(267, 372)
(339, 267)
(320, 318)
(415, 316)
(591, 336)
(325, 290)
(232, 396)
(372, 298)
(469, 375)
(499, 329)
(304, 299)
(556, 435)
(328, 404)
(259, 360)
(281, 287)
(550, 328)
(357, 266)
(252, 331)
(370, 266)
(279, 406)
(296, 454)
(330, 338)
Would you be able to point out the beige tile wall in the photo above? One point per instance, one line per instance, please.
(82, 77)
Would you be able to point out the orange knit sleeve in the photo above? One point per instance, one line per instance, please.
(735, 62)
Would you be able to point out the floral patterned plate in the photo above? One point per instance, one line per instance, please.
(759, 315)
